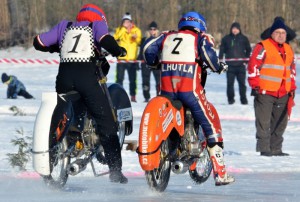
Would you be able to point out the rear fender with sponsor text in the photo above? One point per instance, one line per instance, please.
(159, 118)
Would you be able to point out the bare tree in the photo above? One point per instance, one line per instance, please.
(22, 19)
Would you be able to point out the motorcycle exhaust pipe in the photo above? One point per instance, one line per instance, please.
(179, 167)
(76, 167)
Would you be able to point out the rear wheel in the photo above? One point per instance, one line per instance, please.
(58, 166)
(158, 178)
(203, 168)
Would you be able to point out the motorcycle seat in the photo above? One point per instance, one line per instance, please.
(176, 103)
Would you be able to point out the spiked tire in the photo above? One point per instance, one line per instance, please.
(158, 178)
(58, 166)
(203, 168)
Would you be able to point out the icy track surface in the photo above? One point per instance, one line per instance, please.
(257, 178)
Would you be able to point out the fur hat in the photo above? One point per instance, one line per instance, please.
(127, 16)
(277, 24)
(4, 78)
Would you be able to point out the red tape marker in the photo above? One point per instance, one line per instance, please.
(55, 61)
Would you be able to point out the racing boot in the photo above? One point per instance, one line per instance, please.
(220, 174)
(112, 152)
(117, 177)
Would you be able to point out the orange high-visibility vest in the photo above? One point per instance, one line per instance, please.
(275, 69)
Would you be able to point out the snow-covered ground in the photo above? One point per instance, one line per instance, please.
(257, 178)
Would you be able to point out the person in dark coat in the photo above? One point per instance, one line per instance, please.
(14, 87)
(291, 34)
(146, 71)
(235, 45)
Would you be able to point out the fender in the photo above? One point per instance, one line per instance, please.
(41, 130)
(122, 105)
(51, 125)
(159, 118)
(63, 116)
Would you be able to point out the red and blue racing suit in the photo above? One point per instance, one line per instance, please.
(180, 54)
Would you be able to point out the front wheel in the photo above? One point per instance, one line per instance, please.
(58, 166)
(203, 168)
(158, 178)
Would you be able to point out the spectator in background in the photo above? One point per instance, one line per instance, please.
(272, 74)
(14, 87)
(128, 36)
(152, 32)
(291, 34)
(235, 45)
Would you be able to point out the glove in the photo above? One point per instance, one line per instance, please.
(54, 49)
(254, 92)
(105, 66)
(123, 52)
(223, 67)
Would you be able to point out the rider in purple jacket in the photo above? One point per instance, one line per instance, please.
(79, 44)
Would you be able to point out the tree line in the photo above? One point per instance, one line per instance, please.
(23, 19)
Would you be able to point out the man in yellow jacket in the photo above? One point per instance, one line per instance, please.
(128, 36)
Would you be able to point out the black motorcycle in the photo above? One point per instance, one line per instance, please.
(78, 143)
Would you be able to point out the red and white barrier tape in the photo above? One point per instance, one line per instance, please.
(247, 59)
(236, 59)
(28, 61)
(52, 61)
(55, 61)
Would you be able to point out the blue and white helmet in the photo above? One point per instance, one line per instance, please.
(193, 19)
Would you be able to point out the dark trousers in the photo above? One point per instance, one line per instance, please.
(271, 120)
(82, 78)
(25, 94)
(146, 74)
(238, 72)
(131, 69)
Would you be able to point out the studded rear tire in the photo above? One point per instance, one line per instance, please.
(58, 166)
(158, 178)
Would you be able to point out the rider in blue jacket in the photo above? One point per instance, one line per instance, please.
(184, 54)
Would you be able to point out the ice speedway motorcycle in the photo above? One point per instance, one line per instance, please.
(78, 144)
(170, 140)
